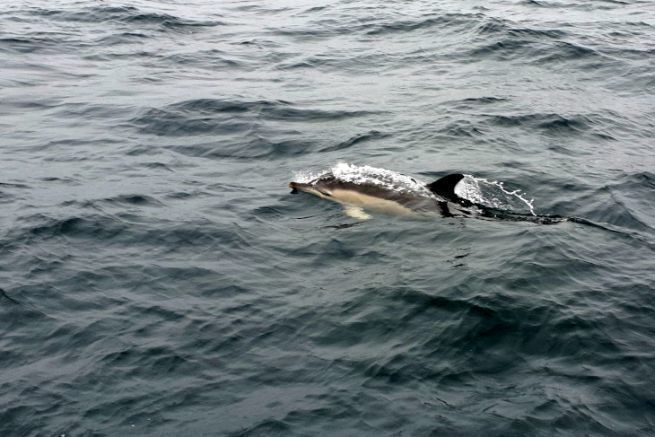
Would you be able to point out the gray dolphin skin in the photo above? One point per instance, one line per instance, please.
(439, 196)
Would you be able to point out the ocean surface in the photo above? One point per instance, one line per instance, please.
(158, 278)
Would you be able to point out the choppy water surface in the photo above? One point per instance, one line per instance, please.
(157, 278)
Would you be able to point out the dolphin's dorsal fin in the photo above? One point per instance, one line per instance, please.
(445, 187)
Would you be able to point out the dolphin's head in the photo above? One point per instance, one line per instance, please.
(321, 186)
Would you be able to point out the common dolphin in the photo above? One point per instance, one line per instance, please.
(373, 194)
(363, 188)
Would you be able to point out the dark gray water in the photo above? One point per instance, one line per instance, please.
(157, 278)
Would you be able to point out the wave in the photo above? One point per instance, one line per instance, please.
(39, 43)
(122, 38)
(120, 200)
(507, 28)
(125, 226)
(404, 26)
(15, 314)
(623, 206)
(549, 122)
(477, 24)
(92, 227)
(586, 5)
(266, 123)
(504, 49)
(505, 40)
(537, 52)
(122, 14)
(209, 59)
(564, 51)
(375, 27)
(462, 128)
(252, 149)
(357, 139)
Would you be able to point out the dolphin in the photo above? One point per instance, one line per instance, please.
(357, 196)
(361, 189)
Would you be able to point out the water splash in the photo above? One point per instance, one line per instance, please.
(391, 180)
(493, 194)
(306, 176)
(365, 174)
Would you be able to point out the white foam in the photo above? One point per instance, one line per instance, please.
(365, 174)
(306, 176)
